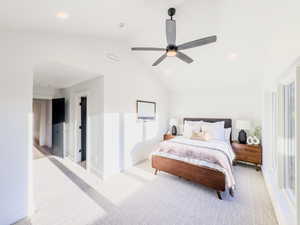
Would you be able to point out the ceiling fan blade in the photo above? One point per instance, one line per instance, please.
(196, 43)
(159, 60)
(171, 31)
(147, 49)
(184, 57)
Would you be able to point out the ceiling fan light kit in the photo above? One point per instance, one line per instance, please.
(172, 49)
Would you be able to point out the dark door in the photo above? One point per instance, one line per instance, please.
(83, 128)
(58, 119)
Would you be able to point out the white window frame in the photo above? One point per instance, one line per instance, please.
(274, 131)
(293, 76)
(288, 143)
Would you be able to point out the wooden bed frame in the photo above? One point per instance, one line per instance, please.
(199, 174)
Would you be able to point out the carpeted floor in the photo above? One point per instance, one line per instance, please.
(40, 151)
(66, 195)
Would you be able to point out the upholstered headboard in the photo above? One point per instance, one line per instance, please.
(228, 122)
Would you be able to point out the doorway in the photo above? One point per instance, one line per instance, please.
(83, 131)
(58, 127)
(42, 128)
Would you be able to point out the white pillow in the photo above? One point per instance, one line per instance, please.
(227, 134)
(194, 123)
(214, 131)
(189, 128)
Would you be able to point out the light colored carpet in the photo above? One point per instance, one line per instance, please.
(66, 195)
(40, 151)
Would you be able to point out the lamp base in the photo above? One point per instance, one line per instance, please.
(242, 137)
(174, 130)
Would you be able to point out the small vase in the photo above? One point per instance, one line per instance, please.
(250, 140)
(256, 141)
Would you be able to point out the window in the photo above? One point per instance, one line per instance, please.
(274, 130)
(289, 139)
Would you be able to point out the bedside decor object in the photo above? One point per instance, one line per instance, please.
(254, 139)
(250, 140)
(257, 135)
(243, 125)
(173, 124)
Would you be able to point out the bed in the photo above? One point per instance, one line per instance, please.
(213, 170)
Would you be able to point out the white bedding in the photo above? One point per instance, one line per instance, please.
(215, 145)
(224, 146)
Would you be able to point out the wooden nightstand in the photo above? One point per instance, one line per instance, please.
(248, 153)
(168, 136)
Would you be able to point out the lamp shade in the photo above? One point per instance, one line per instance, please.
(173, 122)
(243, 125)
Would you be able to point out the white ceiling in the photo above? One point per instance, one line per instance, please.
(92, 17)
(248, 37)
(57, 75)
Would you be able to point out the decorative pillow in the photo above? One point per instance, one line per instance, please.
(214, 131)
(189, 129)
(201, 136)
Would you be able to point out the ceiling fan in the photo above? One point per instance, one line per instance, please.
(172, 49)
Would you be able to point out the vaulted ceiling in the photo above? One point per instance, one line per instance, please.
(57, 75)
(251, 34)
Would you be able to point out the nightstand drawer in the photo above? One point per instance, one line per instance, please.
(249, 158)
(248, 152)
(254, 148)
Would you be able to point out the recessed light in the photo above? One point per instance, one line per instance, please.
(62, 15)
(232, 56)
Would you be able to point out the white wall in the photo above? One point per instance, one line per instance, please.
(20, 53)
(210, 102)
(125, 138)
(16, 135)
(94, 91)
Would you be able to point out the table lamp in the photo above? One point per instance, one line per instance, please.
(243, 125)
(173, 124)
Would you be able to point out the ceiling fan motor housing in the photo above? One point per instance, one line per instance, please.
(171, 12)
(171, 48)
